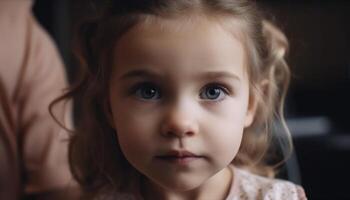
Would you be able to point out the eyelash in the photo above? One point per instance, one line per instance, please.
(138, 90)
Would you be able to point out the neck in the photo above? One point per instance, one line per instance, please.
(216, 187)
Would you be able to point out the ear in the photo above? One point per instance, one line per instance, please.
(253, 103)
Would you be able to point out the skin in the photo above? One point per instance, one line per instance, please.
(181, 84)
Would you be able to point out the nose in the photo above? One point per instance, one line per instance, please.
(179, 121)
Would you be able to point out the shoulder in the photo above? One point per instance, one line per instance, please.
(252, 186)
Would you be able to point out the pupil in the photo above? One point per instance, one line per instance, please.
(149, 92)
(213, 92)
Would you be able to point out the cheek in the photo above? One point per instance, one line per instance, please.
(134, 141)
(135, 132)
(229, 116)
(224, 144)
(225, 139)
(132, 130)
(225, 128)
(128, 138)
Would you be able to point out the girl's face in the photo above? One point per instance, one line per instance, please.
(179, 95)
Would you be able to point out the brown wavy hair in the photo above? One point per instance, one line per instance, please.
(95, 157)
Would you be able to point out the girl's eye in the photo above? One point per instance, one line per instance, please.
(213, 92)
(147, 91)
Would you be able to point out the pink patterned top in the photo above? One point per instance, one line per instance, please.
(245, 186)
(250, 186)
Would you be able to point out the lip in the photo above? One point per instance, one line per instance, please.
(181, 157)
(178, 153)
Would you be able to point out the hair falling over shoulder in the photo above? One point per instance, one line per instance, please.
(263, 149)
(95, 157)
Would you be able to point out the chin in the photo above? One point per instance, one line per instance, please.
(179, 184)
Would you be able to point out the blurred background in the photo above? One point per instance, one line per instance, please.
(317, 107)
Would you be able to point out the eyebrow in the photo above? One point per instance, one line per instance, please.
(218, 75)
(139, 73)
(205, 75)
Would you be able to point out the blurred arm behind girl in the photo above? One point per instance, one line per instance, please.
(33, 148)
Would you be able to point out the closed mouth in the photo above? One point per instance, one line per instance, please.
(178, 153)
(177, 157)
(174, 155)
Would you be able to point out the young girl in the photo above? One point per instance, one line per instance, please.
(178, 99)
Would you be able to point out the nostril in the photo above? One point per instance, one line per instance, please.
(178, 134)
(179, 129)
(190, 133)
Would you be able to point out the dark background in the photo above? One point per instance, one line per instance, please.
(317, 107)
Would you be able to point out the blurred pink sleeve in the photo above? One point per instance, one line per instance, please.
(31, 76)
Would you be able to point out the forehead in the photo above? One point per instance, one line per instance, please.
(196, 42)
